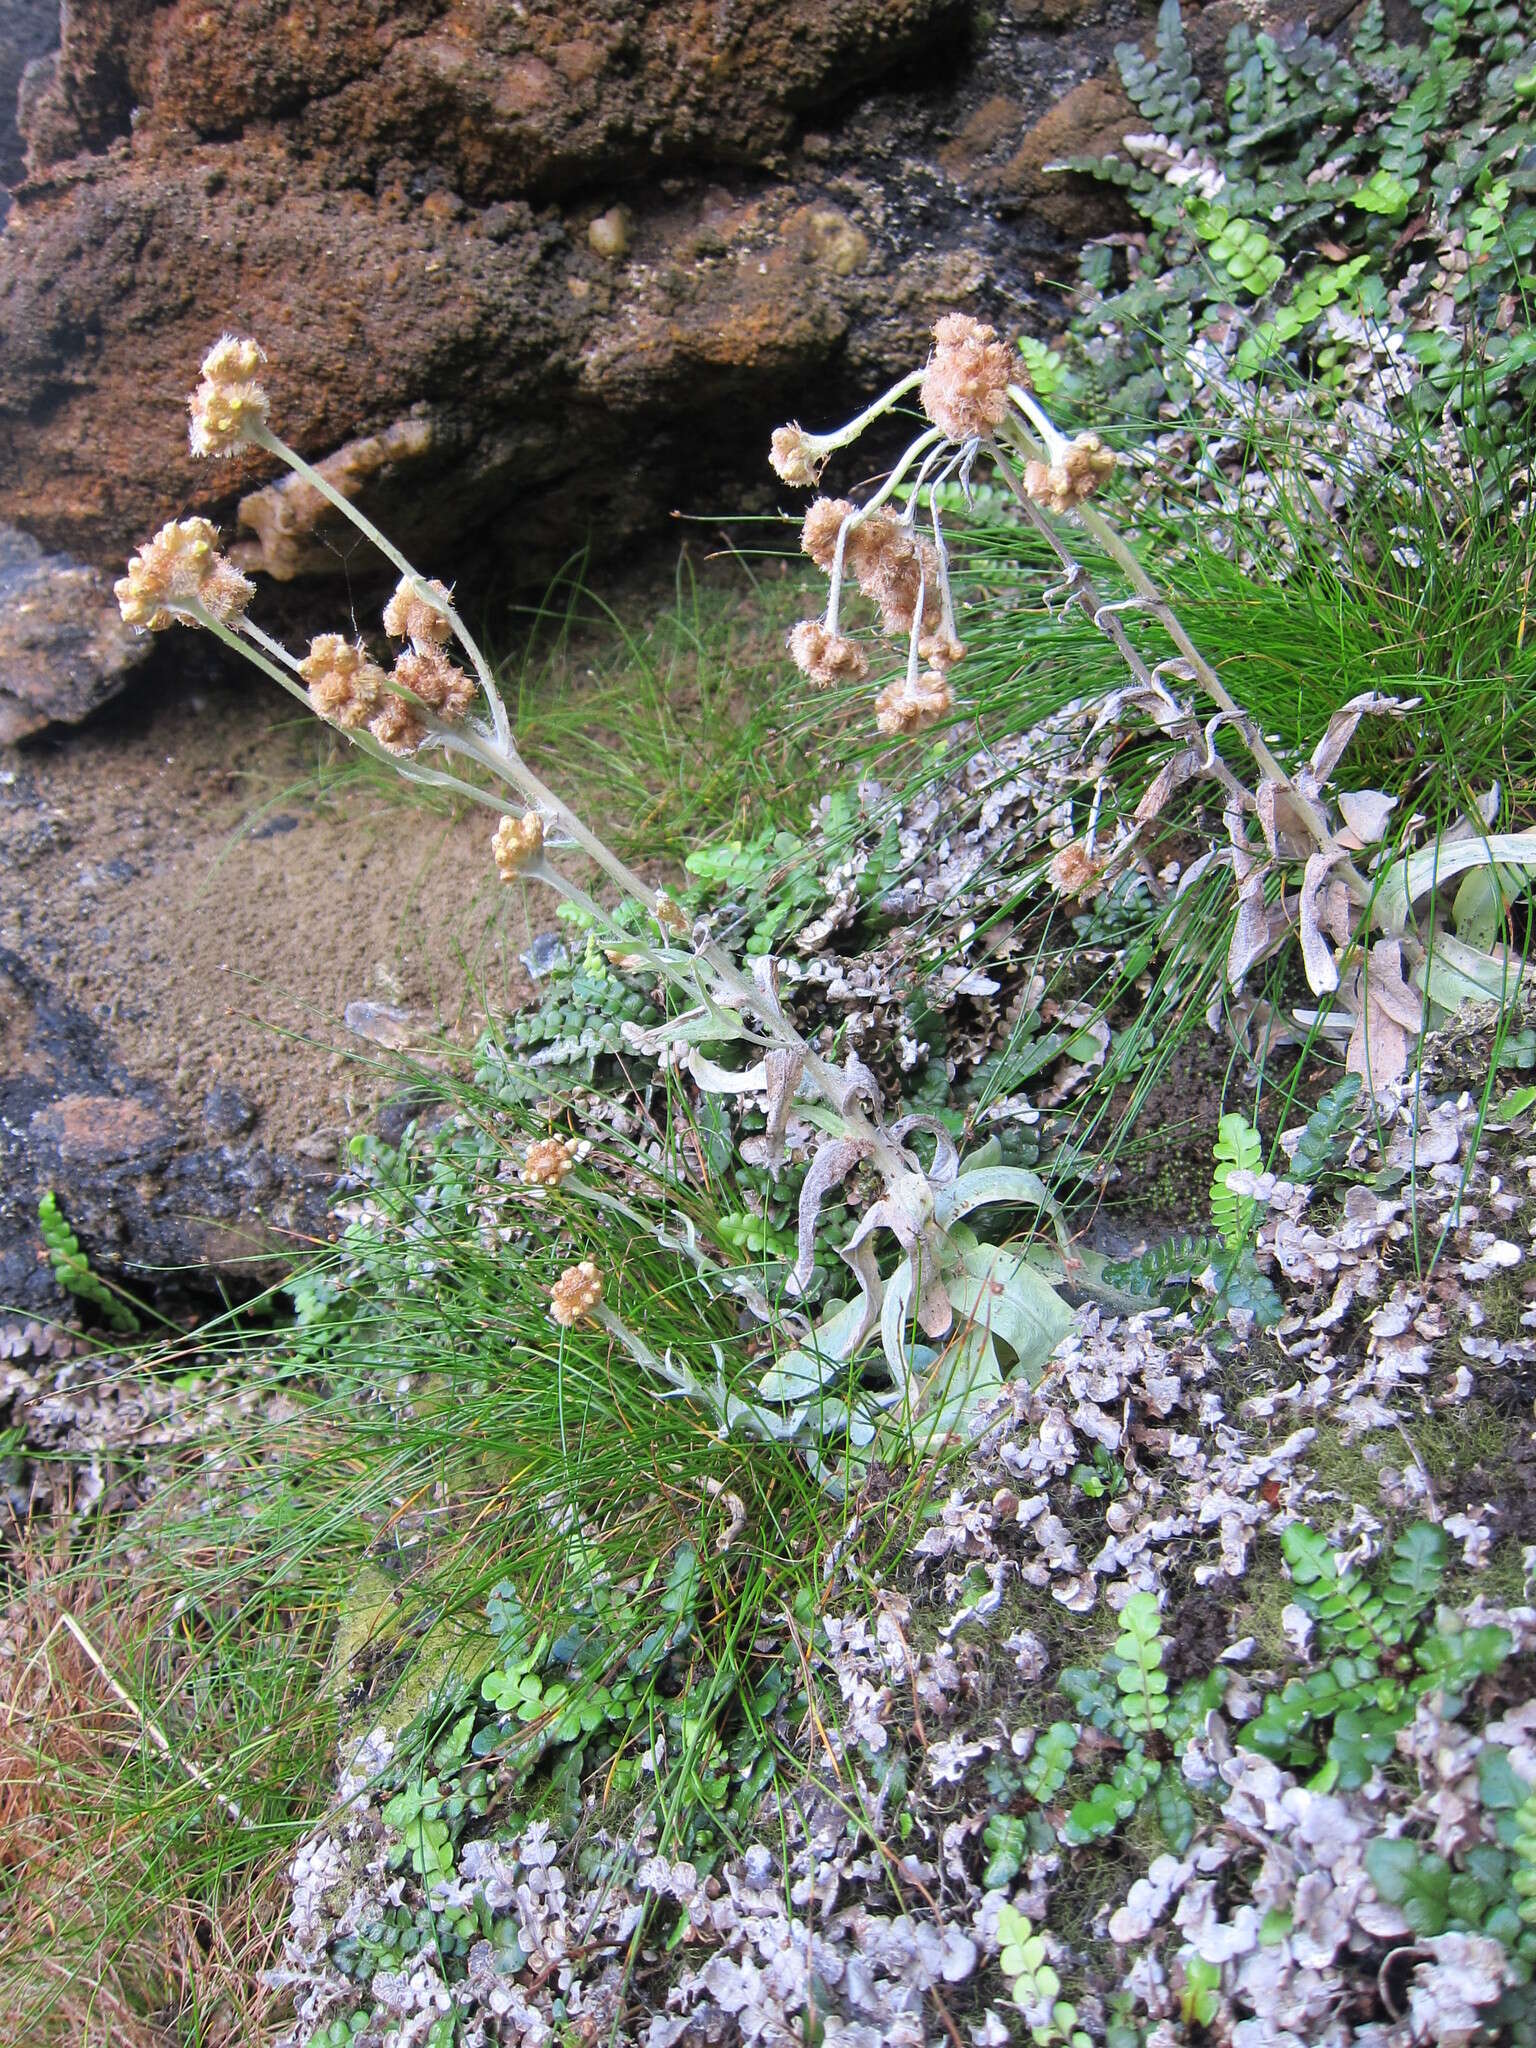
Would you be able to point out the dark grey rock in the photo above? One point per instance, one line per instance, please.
(63, 646)
(153, 1205)
(29, 29)
(226, 1113)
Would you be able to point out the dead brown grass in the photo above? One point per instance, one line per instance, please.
(99, 1942)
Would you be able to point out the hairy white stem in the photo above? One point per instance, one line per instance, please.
(263, 437)
(842, 437)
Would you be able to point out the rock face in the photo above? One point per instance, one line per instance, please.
(533, 274)
(63, 646)
(148, 1200)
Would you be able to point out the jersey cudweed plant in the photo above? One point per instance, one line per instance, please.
(941, 1307)
(1381, 939)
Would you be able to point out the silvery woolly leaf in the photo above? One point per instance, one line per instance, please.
(1317, 957)
(1455, 973)
(895, 1314)
(977, 1186)
(1365, 813)
(829, 1169)
(702, 1026)
(800, 1374)
(1407, 880)
(946, 1160)
(1170, 777)
(1329, 750)
(1481, 904)
(1287, 829)
(782, 1069)
(718, 1080)
(1385, 982)
(1387, 1021)
(944, 1405)
(1257, 931)
(1005, 1295)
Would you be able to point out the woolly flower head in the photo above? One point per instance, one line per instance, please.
(823, 523)
(1075, 872)
(397, 725)
(796, 457)
(410, 616)
(965, 386)
(1074, 475)
(345, 687)
(826, 657)
(899, 570)
(548, 1162)
(909, 704)
(439, 683)
(575, 1294)
(230, 400)
(516, 844)
(180, 567)
(941, 649)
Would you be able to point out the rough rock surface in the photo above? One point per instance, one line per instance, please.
(28, 29)
(201, 925)
(522, 265)
(63, 646)
(147, 1199)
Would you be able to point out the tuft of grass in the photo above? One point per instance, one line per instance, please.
(321, 1559)
(676, 724)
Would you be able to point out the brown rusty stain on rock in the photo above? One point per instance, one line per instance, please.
(1092, 120)
(102, 1128)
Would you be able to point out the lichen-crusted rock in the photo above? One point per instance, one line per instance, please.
(532, 274)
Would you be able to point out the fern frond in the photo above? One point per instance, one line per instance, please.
(1238, 1147)
(1346, 1607)
(1415, 1571)
(72, 1269)
(1160, 1265)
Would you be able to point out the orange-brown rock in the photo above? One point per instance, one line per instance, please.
(1091, 120)
(529, 273)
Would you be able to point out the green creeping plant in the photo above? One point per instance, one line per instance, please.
(1344, 1718)
(72, 1270)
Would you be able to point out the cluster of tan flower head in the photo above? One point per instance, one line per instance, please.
(548, 1161)
(912, 702)
(1074, 871)
(1074, 473)
(965, 386)
(412, 614)
(230, 399)
(345, 687)
(827, 657)
(438, 683)
(516, 844)
(968, 387)
(179, 573)
(575, 1294)
(796, 458)
(398, 725)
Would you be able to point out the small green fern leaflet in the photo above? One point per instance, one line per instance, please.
(1050, 1761)
(1113, 1801)
(1336, 1113)
(72, 1270)
(1160, 1265)
(1523, 1843)
(1238, 1148)
(1142, 1681)
(1346, 1607)
(1414, 1573)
